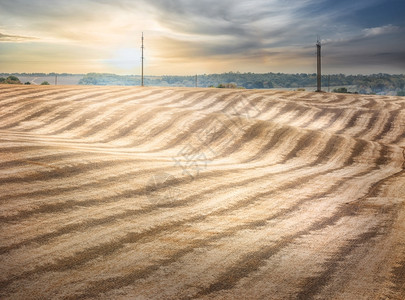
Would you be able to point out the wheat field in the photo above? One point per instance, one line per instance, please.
(183, 193)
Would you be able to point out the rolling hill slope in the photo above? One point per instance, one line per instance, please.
(181, 193)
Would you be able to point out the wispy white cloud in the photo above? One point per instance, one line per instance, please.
(386, 29)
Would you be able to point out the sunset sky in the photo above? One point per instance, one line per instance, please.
(184, 37)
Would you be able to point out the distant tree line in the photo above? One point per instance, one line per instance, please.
(112, 79)
(364, 84)
(37, 74)
(15, 80)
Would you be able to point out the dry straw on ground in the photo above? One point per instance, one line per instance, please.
(265, 194)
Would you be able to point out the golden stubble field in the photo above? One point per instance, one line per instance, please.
(181, 193)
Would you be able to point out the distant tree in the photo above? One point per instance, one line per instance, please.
(13, 80)
(45, 83)
(230, 85)
(2, 80)
(27, 82)
(268, 84)
(258, 85)
(401, 93)
(340, 90)
(378, 85)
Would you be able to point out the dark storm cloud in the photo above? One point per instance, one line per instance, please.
(377, 46)
(252, 25)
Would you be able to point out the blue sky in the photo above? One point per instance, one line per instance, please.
(193, 37)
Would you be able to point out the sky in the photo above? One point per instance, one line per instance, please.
(185, 37)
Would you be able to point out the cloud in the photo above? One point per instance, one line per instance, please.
(387, 29)
(370, 38)
(227, 17)
(272, 35)
(76, 21)
(15, 38)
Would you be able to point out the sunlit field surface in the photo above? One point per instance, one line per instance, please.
(180, 193)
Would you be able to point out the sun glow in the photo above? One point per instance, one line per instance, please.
(125, 59)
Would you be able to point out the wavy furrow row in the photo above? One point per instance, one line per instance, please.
(179, 193)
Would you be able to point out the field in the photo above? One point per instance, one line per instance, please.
(181, 193)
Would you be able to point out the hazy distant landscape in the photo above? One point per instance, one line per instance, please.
(382, 84)
(38, 78)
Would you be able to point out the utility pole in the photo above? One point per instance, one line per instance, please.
(142, 58)
(319, 76)
(196, 80)
(56, 79)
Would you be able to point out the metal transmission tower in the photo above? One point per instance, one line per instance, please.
(318, 76)
(142, 58)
